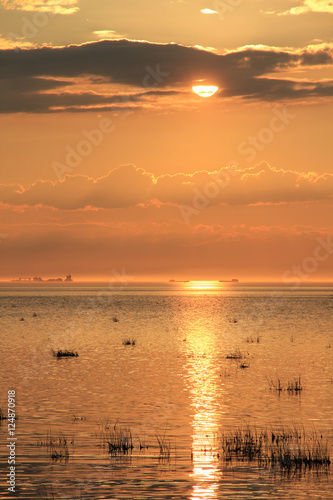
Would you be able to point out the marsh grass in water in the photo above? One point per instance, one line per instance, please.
(128, 341)
(64, 354)
(142, 443)
(250, 340)
(58, 446)
(120, 440)
(76, 418)
(286, 447)
(2, 415)
(163, 444)
(117, 438)
(236, 354)
(275, 385)
(293, 386)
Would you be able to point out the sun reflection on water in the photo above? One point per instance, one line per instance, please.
(203, 285)
(204, 393)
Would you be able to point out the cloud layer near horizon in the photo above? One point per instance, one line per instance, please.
(36, 80)
(127, 186)
(64, 7)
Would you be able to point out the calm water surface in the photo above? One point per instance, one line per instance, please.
(175, 383)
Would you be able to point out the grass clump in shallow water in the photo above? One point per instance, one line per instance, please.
(289, 448)
(164, 445)
(128, 341)
(117, 438)
(58, 446)
(64, 354)
(2, 415)
(293, 386)
(236, 354)
(275, 385)
(250, 340)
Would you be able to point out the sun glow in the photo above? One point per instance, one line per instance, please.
(208, 11)
(205, 90)
(203, 285)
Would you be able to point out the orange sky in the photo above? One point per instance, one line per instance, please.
(111, 162)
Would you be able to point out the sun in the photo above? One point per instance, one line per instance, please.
(205, 90)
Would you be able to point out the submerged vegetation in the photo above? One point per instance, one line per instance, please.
(287, 447)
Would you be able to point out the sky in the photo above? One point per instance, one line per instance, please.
(111, 165)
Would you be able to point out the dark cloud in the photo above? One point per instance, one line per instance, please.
(150, 67)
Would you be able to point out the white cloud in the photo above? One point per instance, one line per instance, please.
(108, 35)
(324, 6)
(12, 43)
(208, 11)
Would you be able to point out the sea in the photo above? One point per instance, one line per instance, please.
(195, 391)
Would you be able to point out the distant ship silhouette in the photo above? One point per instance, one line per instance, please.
(38, 279)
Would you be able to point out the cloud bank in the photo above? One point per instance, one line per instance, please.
(127, 186)
(64, 7)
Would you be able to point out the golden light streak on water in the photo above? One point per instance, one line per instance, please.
(206, 405)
